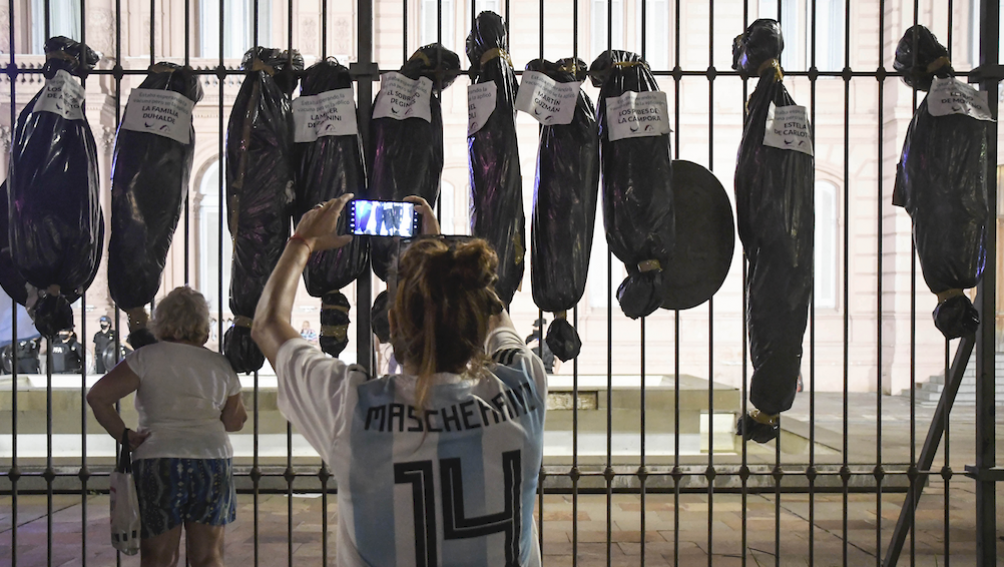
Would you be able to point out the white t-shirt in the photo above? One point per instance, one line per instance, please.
(182, 391)
(453, 483)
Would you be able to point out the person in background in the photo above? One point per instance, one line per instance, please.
(188, 398)
(103, 339)
(540, 348)
(67, 353)
(308, 334)
(465, 432)
(27, 355)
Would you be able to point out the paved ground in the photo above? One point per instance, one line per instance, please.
(575, 528)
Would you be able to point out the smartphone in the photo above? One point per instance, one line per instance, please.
(384, 218)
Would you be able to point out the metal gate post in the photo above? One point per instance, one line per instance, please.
(984, 472)
(364, 71)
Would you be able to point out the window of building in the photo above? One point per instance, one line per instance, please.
(210, 246)
(597, 290)
(238, 34)
(657, 26)
(447, 206)
(64, 19)
(598, 32)
(429, 22)
(796, 21)
(825, 290)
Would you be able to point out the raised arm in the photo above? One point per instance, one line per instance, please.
(316, 232)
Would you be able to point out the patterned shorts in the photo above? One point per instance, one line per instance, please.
(174, 491)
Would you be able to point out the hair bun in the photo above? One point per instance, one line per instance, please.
(474, 265)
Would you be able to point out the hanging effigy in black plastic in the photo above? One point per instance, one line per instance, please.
(567, 182)
(493, 151)
(638, 211)
(774, 207)
(405, 152)
(941, 179)
(329, 163)
(260, 189)
(56, 228)
(151, 166)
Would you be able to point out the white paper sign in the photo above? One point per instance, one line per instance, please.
(636, 115)
(401, 98)
(63, 95)
(952, 96)
(788, 129)
(164, 113)
(547, 100)
(481, 101)
(331, 113)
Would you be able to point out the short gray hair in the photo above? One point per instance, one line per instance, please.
(183, 315)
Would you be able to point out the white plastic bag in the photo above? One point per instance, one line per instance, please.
(124, 503)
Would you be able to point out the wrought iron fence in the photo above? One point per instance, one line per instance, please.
(822, 74)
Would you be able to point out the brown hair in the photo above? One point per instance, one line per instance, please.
(183, 315)
(445, 298)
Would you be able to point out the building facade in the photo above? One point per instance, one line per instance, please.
(862, 328)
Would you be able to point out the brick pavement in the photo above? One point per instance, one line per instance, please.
(565, 542)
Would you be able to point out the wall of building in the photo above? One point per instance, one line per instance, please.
(856, 169)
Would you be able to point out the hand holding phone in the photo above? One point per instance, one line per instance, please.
(318, 226)
(384, 218)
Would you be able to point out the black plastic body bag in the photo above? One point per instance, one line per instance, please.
(564, 211)
(941, 180)
(774, 210)
(328, 168)
(259, 173)
(638, 213)
(150, 175)
(496, 182)
(406, 156)
(56, 226)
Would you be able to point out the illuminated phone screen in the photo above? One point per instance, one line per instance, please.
(383, 218)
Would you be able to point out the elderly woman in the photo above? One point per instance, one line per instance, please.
(188, 398)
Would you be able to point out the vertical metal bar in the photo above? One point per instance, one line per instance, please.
(608, 472)
(118, 118)
(289, 475)
(711, 473)
(153, 35)
(404, 36)
(364, 27)
(677, 473)
(574, 473)
(47, 9)
(811, 470)
(879, 470)
(946, 473)
(324, 40)
(986, 443)
(845, 473)
(14, 474)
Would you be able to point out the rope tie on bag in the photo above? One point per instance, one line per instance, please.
(259, 65)
(242, 321)
(938, 64)
(778, 75)
(649, 266)
(421, 56)
(496, 53)
(944, 296)
(337, 332)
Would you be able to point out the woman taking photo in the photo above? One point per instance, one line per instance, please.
(188, 398)
(437, 465)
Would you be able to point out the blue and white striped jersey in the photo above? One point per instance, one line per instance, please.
(451, 483)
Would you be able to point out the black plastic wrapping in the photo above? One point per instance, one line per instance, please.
(56, 225)
(150, 176)
(10, 280)
(638, 214)
(334, 335)
(496, 182)
(328, 168)
(774, 210)
(941, 180)
(564, 211)
(259, 189)
(406, 156)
